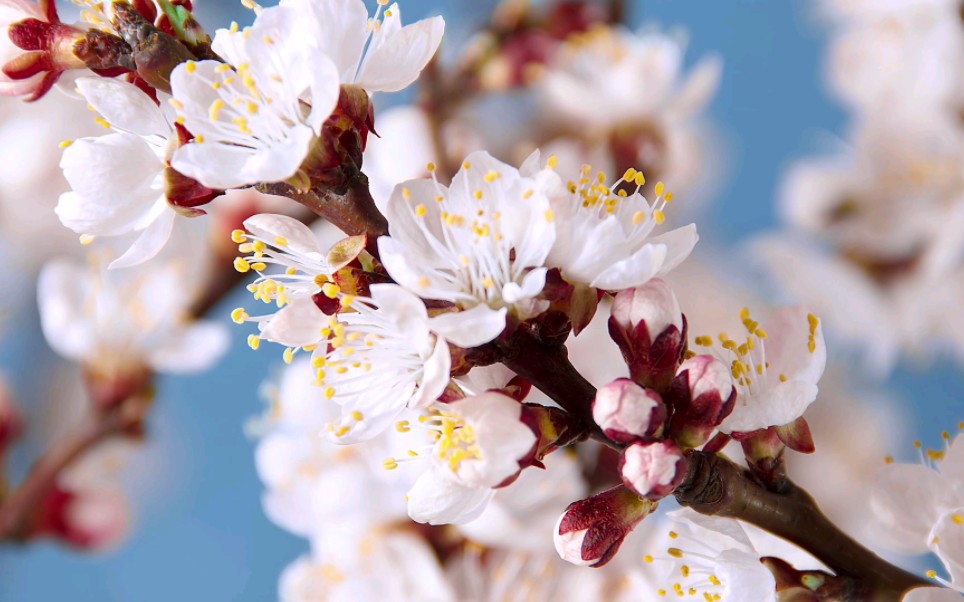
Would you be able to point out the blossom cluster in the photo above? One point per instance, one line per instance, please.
(488, 377)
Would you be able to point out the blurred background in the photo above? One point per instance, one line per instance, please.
(199, 531)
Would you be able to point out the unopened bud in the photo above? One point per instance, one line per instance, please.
(653, 470)
(627, 412)
(647, 325)
(590, 531)
(702, 395)
(92, 519)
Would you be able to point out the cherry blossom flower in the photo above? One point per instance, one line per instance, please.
(260, 113)
(405, 566)
(254, 117)
(377, 55)
(775, 371)
(921, 507)
(719, 560)
(480, 243)
(603, 234)
(120, 323)
(118, 180)
(480, 441)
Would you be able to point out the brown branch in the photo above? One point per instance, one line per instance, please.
(716, 487)
(17, 513)
(352, 210)
(548, 368)
(618, 12)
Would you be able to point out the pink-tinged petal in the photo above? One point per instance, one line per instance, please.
(908, 499)
(778, 405)
(401, 56)
(150, 241)
(947, 541)
(788, 345)
(470, 328)
(679, 244)
(124, 105)
(437, 499)
(297, 324)
(635, 270)
(61, 287)
(297, 236)
(435, 376)
(196, 348)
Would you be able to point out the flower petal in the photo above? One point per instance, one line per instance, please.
(437, 499)
(297, 236)
(401, 56)
(908, 499)
(470, 328)
(150, 242)
(195, 349)
(435, 376)
(124, 106)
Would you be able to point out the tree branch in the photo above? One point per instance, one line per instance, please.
(17, 513)
(716, 487)
(353, 210)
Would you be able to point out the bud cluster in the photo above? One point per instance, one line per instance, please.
(669, 404)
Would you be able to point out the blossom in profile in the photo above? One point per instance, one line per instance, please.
(604, 233)
(775, 370)
(120, 181)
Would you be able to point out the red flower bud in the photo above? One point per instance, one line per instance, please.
(590, 531)
(647, 325)
(702, 395)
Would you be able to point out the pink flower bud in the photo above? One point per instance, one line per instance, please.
(653, 470)
(702, 395)
(90, 519)
(627, 412)
(647, 325)
(590, 531)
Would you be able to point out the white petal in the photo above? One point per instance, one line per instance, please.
(271, 226)
(438, 500)
(787, 345)
(223, 166)
(297, 324)
(745, 578)
(470, 328)
(908, 499)
(952, 466)
(192, 349)
(699, 89)
(338, 29)
(778, 405)
(947, 541)
(679, 244)
(635, 270)
(124, 106)
(150, 242)
(62, 290)
(435, 377)
(400, 58)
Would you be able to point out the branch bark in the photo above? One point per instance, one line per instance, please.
(716, 487)
(353, 210)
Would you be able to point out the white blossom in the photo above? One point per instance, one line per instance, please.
(118, 180)
(603, 234)
(479, 442)
(775, 371)
(480, 243)
(121, 322)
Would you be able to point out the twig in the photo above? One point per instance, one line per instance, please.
(17, 511)
(714, 486)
